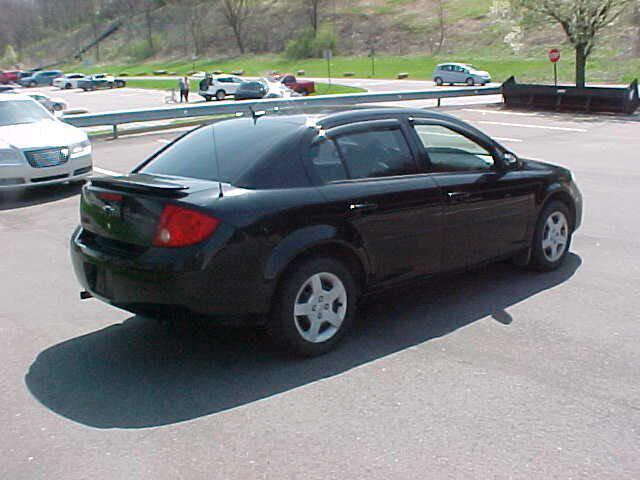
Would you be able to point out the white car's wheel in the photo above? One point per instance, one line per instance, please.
(220, 95)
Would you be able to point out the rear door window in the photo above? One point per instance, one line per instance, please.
(376, 153)
(326, 161)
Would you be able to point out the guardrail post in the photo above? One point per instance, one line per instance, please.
(438, 102)
(115, 131)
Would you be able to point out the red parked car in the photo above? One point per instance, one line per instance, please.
(9, 76)
(304, 87)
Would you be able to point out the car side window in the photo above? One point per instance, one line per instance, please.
(376, 153)
(326, 161)
(450, 151)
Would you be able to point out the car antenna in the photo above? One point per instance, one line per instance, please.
(215, 152)
(256, 114)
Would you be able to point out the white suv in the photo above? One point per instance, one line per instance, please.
(38, 149)
(219, 87)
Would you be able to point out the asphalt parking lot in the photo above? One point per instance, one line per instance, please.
(497, 373)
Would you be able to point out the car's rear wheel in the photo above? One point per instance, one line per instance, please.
(438, 81)
(220, 94)
(67, 86)
(33, 84)
(314, 307)
(552, 237)
(207, 98)
(471, 82)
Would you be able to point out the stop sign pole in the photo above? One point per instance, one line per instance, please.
(554, 56)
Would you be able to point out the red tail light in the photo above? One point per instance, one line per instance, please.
(179, 227)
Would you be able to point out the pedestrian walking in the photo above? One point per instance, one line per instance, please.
(183, 86)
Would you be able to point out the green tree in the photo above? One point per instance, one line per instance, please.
(10, 57)
(581, 20)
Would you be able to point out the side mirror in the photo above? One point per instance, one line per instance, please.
(511, 160)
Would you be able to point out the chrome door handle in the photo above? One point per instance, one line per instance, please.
(362, 206)
(458, 196)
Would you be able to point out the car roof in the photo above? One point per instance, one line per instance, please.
(6, 97)
(457, 64)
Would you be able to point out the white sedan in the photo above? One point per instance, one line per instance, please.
(38, 149)
(70, 80)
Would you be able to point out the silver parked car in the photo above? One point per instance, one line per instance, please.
(459, 73)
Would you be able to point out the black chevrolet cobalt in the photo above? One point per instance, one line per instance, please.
(290, 219)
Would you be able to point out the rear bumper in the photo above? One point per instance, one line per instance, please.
(201, 279)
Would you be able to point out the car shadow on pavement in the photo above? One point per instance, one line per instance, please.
(141, 373)
(27, 197)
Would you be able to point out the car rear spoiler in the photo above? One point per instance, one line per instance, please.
(142, 183)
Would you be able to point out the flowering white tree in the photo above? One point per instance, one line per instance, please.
(581, 21)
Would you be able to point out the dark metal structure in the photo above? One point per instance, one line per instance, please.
(588, 99)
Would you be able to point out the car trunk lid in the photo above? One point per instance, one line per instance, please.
(128, 208)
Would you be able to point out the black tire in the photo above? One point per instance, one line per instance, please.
(33, 84)
(438, 81)
(220, 94)
(539, 260)
(67, 86)
(207, 98)
(471, 82)
(283, 325)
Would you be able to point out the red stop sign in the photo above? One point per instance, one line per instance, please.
(554, 55)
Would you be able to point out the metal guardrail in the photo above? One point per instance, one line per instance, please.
(116, 118)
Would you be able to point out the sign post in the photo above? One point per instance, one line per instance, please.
(554, 56)
(327, 54)
(372, 54)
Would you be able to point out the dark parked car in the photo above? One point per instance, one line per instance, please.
(100, 81)
(40, 78)
(251, 91)
(292, 218)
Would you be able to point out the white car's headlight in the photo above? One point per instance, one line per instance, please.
(9, 157)
(80, 149)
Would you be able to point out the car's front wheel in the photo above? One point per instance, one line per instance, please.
(33, 84)
(438, 81)
(315, 306)
(471, 82)
(67, 86)
(552, 237)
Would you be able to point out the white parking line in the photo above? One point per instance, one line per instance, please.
(503, 112)
(111, 173)
(543, 127)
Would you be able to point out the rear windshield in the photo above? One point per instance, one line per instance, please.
(14, 112)
(240, 145)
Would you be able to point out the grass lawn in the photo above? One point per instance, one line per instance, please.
(321, 88)
(501, 65)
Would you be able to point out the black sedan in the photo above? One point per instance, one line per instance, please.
(251, 91)
(289, 219)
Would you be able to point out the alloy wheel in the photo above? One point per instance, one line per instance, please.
(320, 307)
(555, 236)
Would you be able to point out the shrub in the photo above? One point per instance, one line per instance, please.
(300, 46)
(307, 45)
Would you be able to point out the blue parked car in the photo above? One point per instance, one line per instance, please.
(40, 78)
